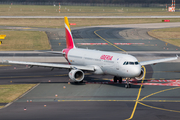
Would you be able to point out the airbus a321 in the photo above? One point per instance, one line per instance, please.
(95, 61)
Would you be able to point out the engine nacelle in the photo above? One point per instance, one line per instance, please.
(141, 76)
(76, 75)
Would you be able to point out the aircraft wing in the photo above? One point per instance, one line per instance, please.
(158, 61)
(51, 65)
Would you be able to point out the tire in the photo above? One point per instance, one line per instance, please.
(115, 79)
(120, 79)
(127, 86)
(81, 81)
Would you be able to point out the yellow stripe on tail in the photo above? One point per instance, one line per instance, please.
(67, 22)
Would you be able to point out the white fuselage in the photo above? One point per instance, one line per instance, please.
(116, 64)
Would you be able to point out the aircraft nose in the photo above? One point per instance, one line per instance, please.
(136, 70)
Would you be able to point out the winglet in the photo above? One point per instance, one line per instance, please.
(69, 38)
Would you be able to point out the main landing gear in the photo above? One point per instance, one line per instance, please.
(117, 78)
(120, 80)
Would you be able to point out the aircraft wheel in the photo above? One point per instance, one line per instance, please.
(115, 79)
(127, 86)
(120, 79)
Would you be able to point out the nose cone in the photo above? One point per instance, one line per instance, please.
(136, 70)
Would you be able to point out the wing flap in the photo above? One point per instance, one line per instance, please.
(52, 65)
(158, 61)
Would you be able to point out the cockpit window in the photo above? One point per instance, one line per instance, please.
(130, 63)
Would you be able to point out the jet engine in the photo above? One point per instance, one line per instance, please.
(141, 76)
(76, 75)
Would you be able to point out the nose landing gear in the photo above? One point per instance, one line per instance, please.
(127, 85)
(120, 80)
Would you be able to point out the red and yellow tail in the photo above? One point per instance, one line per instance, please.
(69, 38)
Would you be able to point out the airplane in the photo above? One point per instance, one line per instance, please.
(98, 62)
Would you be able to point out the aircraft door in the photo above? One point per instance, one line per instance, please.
(117, 66)
(118, 60)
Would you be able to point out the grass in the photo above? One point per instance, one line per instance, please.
(42, 10)
(1, 106)
(59, 23)
(169, 35)
(8, 93)
(24, 40)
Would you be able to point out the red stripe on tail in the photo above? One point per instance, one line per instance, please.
(69, 40)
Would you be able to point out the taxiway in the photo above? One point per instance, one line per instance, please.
(90, 100)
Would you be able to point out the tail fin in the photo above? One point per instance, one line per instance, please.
(69, 38)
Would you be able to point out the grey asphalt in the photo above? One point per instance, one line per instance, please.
(85, 111)
(94, 107)
(64, 110)
(112, 35)
(96, 104)
(124, 34)
(20, 74)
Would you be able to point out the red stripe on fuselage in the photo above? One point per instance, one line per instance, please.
(69, 40)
